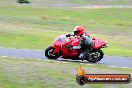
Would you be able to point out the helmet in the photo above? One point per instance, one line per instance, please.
(78, 30)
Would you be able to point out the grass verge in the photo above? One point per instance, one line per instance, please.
(29, 73)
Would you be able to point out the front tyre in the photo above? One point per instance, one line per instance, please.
(49, 53)
(95, 56)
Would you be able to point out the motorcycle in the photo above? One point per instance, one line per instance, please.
(62, 49)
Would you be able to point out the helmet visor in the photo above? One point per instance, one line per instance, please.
(76, 32)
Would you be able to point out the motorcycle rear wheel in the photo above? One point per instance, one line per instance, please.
(96, 56)
(48, 53)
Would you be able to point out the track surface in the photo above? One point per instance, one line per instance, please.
(116, 61)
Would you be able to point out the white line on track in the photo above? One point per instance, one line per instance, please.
(4, 56)
(47, 60)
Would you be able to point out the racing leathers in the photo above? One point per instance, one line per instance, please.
(85, 46)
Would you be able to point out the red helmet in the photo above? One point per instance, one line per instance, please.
(78, 30)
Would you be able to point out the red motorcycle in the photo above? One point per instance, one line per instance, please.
(63, 49)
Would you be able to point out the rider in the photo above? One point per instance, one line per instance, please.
(86, 44)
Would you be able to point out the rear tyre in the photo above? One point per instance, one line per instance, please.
(49, 53)
(95, 56)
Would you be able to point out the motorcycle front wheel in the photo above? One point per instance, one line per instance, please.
(49, 53)
(95, 56)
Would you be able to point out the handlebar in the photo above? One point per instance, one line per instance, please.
(68, 35)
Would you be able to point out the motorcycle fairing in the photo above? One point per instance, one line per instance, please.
(98, 43)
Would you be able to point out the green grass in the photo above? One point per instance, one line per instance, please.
(23, 26)
(29, 73)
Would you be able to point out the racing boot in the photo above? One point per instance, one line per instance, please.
(81, 56)
(84, 55)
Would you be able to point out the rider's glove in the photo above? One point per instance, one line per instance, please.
(77, 47)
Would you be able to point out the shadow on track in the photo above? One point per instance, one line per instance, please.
(74, 61)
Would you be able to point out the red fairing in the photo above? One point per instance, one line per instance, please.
(64, 47)
(98, 43)
(75, 41)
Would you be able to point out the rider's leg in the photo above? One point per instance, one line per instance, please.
(87, 48)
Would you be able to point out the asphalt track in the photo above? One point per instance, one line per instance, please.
(113, 61)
